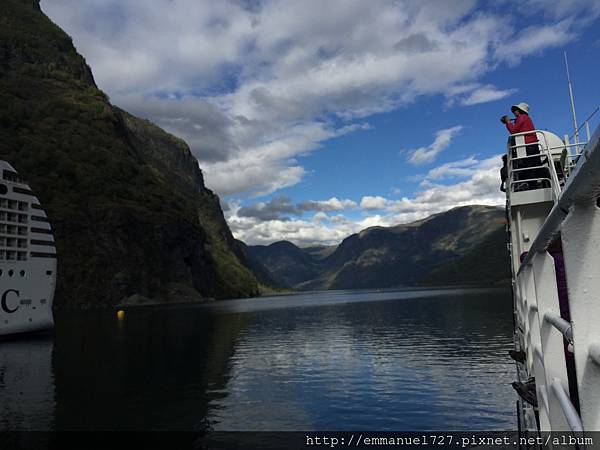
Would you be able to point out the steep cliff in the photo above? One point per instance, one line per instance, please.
(132, 217)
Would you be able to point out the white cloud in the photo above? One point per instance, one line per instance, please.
(535, 39)
(282, 207)
(474, 182)
(369, 202)
(484, 94)
(424, 155)
(253, 86)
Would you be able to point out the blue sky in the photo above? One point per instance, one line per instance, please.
(313, 120)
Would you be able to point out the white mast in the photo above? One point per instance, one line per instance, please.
(572, 103)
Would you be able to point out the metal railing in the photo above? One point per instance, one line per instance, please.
(543, 330)
(545, 155)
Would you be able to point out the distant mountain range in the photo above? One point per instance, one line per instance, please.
(463, 246)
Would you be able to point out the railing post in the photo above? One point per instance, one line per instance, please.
(581, 248)
(552, 340)
(587, 130)
(534, 348)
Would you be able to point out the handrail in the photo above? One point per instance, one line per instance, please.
(569, 410)
(582, 185)
(561, 325)
(544, 151)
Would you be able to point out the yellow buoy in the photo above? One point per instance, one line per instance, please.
(120, 314)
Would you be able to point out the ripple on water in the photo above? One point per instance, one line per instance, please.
(397, 363)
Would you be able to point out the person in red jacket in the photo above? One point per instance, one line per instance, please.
(523, 123)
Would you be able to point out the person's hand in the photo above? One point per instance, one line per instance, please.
(504, 119)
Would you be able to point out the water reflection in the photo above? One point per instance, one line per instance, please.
(26, 383)
(391, 360)
(151, 371)
(395, 364)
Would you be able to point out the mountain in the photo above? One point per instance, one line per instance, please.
(287, 264)
(485, 263)
(465, 245)
(132, 218)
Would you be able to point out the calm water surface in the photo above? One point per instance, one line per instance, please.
(341, 360)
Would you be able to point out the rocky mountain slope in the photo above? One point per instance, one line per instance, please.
(464, 245)
(133, 220)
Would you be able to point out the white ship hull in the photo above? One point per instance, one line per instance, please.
(27, 258)
(553, 211)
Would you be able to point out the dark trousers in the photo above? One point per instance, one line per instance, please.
(532, 149)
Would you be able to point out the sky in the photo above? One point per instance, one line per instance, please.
(313, 120)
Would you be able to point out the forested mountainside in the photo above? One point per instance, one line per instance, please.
(132, 218)
(465, 245)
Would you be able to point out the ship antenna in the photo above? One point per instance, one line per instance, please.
(572, 103)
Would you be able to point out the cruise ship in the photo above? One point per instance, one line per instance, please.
(27, 258)
(553, 216)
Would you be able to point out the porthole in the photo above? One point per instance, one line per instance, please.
(48, 272)
(1, 272)
(22, 273)
(11, 273)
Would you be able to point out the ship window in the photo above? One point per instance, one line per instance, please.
(43, 301)
(12, 204)
(22, 231)
(22, 206)
(9, 175)
(11, 229)
(3, 189)
(1, 272)
(11, 242)
(2, 255)
(48, 272)
(22, 273)
(19, 190)
(3, 216)
(22, 256)
(22, 218)
(41, 230)
(11, 272)
(11, 256)
(2, 242)
(598, 202)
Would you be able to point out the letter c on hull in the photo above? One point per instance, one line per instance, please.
(4, 298)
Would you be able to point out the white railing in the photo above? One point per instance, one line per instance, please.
(575, 216)
(546, 155)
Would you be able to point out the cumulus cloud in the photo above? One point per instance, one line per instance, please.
(253, 88)
(464, 182)
(376, 202)
(424, 155)
(282, 207)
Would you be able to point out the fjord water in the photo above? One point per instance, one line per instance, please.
(338, 360)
